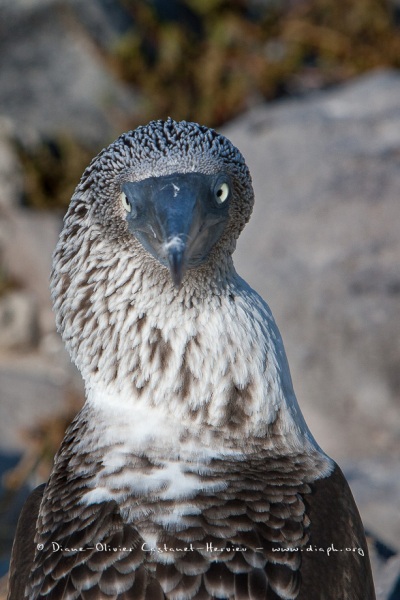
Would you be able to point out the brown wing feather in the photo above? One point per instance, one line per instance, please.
(23, 551)
(234, 538)
(98, 556)
(248, 542)
(335, 520)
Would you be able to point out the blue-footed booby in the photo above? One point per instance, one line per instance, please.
(190, 473)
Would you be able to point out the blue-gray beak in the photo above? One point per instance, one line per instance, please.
(178, 218)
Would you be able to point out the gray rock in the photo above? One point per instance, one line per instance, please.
(18, 321)
(32, 389)
(53, 79)
(387, 580)
(10, 170)
(323, 248)
(375, 483)
(28, 246)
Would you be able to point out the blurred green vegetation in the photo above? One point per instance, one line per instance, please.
(52, 169)
(223, 56)
(209, 60)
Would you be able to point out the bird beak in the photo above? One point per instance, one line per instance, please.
(176, 219)
(175, 249)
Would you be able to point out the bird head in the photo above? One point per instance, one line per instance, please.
(181, 191)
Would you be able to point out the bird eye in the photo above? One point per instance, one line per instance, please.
(125, 202)
(222, 193)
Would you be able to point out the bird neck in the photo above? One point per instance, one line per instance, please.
(207, 358)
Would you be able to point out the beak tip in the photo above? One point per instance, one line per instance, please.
(177, 281)
(176, 276)
(176, 265)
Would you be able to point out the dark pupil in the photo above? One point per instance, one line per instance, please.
(219, 193)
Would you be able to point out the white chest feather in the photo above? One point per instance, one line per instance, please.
(181, 380)
(217, 365)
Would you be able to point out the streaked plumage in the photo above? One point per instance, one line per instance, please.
(190, 473)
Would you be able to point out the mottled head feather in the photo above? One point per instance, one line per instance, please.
(162, 148)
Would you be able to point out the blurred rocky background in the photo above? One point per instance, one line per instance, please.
(308, 90)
